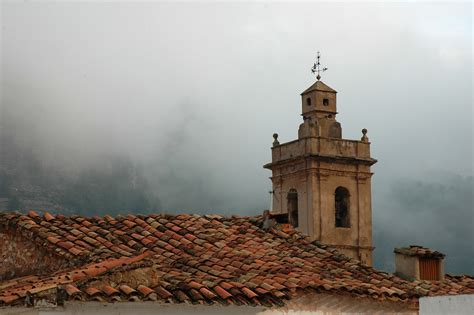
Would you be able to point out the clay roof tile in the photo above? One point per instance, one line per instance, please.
(109, 290)
(144, 290)
(75, 251)
(52, 239)
(165, 294)
(92, 291)
(208, 294)
(33, 214)
(71, 289)
(48, 216)
(221, 292)
(127, 290)
(203, 259)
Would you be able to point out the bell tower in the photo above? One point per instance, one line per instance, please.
(322, 182)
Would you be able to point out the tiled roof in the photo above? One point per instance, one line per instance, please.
(319, 86)
(419, 251)
(196, 259)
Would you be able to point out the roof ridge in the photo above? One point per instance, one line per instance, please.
(71, 275)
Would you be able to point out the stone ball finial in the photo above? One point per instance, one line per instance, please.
(364, 136)
(275, 139)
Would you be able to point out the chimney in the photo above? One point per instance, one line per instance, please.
(419, 263)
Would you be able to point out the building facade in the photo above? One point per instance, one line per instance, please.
(322, 182)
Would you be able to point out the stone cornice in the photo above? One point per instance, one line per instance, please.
(323, 157)
(350, 246)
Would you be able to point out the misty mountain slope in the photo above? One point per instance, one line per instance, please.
(115, 186)
(434, 213)
(23, 181)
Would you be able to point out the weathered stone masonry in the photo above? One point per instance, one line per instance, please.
(20, 257)
(321, 181)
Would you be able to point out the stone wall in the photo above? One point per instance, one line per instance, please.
(315, 182)
(20, 256)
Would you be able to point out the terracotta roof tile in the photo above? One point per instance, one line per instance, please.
(33, 214)
(249, 293)
(109, 290)
(208, 294)
(8, 299)
(165, 294)
(198, 259)
(144, 290)
(71, 289)
(75, 251)
(127, 290)
(48, 216)
(221, 292)
(92, 291)
(419, 251)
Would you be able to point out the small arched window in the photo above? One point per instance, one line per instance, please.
(293, 207)
(308, 101)
(342, 207)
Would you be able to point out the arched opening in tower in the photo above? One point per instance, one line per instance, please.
(293, 207)
(342, 207)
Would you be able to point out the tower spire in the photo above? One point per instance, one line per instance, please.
(317, 67)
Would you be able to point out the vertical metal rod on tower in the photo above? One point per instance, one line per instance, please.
(271, 200)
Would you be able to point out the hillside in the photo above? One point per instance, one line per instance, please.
(112, 186)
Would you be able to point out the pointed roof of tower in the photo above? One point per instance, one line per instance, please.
(319, 86)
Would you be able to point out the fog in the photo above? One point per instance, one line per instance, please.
(191, 94)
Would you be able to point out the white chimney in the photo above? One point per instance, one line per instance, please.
(419, 263)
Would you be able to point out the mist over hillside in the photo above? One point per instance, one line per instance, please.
(437, 213)
(113, 186)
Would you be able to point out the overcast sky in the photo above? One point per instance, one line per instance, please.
(194, 92)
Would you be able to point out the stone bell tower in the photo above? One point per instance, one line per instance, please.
(321, 182)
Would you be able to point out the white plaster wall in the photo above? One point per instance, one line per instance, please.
(407, 267)
(316, 304)
(450, 304)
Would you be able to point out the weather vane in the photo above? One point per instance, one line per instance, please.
(317, 67)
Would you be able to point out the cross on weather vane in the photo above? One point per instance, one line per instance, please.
(317, 67)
